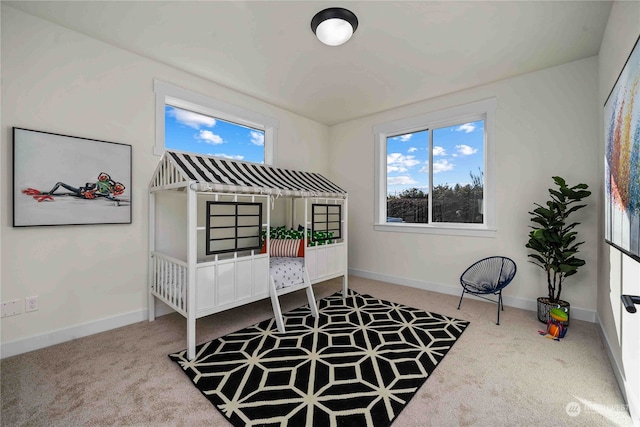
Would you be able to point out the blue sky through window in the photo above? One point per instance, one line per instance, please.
(197, 133)
(457, 151)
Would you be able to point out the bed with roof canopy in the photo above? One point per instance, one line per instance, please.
(212, 246)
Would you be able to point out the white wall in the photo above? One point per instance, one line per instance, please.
(618, 273)
(546, 124)
(60, 81)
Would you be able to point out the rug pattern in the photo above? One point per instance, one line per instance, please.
(358, 364)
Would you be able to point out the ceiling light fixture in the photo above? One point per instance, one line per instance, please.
(334, 26)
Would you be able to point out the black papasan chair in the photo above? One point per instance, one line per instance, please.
(488, 276)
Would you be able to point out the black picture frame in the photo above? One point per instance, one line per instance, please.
(622, 159)
(69, 180)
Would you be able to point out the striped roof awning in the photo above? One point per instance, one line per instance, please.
(228, 176)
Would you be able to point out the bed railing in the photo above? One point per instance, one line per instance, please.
(169, 281)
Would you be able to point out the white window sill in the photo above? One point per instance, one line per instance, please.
(427, 229)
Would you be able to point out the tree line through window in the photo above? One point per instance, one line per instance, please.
(455, 204)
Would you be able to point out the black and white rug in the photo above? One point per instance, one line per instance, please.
(358, 364)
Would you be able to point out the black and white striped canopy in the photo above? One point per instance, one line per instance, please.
(217, 174)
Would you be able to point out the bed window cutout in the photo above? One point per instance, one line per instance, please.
(233, 227)
(327, 222)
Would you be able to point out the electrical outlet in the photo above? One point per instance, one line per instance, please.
(31, 304)
(10, 308)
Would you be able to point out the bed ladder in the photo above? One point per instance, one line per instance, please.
(275, 301)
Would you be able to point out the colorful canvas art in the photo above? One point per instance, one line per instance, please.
(622, 159)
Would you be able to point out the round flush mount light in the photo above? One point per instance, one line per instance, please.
(334, 26)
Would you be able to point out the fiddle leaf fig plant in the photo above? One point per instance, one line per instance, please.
(553, 237)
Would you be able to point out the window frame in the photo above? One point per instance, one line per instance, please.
(485, 110)
(326, 222)
(211, 228)
(168, 94)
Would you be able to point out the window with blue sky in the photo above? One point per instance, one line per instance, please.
(202, 134)
(458, 152)
(435, 172)
(196, 123)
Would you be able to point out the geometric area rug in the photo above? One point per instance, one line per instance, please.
(358, 364)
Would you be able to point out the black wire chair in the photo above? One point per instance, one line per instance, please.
(489, 276)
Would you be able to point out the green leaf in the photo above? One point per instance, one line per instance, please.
(559, 181)
(575, 262)
(556, 193)
(582, 194)
(545, 213)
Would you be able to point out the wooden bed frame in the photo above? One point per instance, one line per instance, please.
(195, 285)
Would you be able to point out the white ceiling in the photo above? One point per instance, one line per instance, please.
(402, 51)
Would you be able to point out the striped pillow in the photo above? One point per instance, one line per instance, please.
(285, 247)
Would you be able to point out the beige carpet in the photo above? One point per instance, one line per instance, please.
(505, 375)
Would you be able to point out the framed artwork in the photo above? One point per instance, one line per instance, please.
(622, 159)
(67, 180)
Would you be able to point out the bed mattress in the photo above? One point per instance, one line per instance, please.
(286, 271)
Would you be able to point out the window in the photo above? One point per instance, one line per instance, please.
(233, 226)
(194, 123)
(434, 172)
(327, 221)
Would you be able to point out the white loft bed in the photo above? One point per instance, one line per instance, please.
(194, 274)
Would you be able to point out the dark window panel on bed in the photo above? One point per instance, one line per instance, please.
(233, 227)
(326, 222)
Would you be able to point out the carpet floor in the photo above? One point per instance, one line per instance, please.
(357, 364)
(505, 375)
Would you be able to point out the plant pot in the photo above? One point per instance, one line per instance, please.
(545, 306)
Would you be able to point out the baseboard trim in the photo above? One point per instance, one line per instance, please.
(36, 342)
(516, 302)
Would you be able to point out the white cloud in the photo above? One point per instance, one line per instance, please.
(257, 138)
(439, 151)
(465, 150)
(227, 156)
(397, 162)
(209, 137)
(398, 159)
(191, 119)
(438, 166)
(401, 180)
(466, 128)
(403, 138)
(391, 169)
(442, 166)
(412, 150)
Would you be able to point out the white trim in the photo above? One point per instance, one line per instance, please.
(616, 365)
(454, 230)
(58, 336)
(167, 93)
(479, 110)
(522, 303)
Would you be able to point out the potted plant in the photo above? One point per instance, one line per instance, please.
(553, 240)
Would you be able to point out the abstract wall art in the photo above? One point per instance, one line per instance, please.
(622, 159)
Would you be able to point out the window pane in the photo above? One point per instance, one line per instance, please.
(198, 133)
(408, 177)
(327, 222)
(232, 232)
(458, 173)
